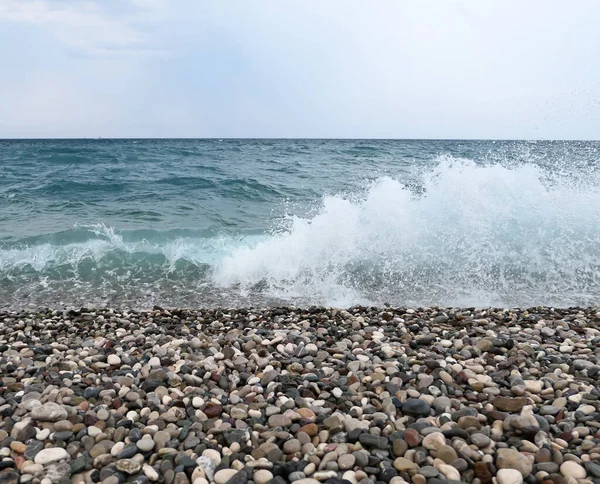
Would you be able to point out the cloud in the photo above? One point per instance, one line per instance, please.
(85, 25)
(453, 69)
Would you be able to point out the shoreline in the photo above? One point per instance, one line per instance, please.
(363, 395)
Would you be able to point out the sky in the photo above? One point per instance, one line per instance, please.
(300, 69)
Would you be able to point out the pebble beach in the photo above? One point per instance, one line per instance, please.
(319, 395)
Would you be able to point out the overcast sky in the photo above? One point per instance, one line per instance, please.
(281, 68)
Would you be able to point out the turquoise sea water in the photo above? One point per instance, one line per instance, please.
(255, 222)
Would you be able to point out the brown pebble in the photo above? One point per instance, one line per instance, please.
(544, 455)
(399, 447)
(412, 437)
(213, 411)
(19, 447)
(311, 429)
(483, 473)
(507, 404)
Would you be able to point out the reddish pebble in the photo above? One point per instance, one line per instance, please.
(213, 411)
(412, 437)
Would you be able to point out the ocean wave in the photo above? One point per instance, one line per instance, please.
(463, 234)
(482, 235)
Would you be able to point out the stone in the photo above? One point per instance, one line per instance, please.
(480, 440)
(346, 461)
(369, 440)
(508, 404)
(572, 469)
(310, 429)
(533, 386)
(450, 472)
(213, 455)
(412, 437)
(509, 476)
(434, 441)
(207, 465)
(145, 445)
(446, 453)
(224, 475)
(512, 459)
(416, 408)
(262, 476)
(53, 454)
(399, 447)
(10, 477)
(279, 420)
(402, 464)
(292, 446)
(49, 412)
(128, 466)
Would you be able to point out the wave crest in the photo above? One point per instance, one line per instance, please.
(480, 235)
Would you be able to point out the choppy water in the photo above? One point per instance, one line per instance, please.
(242, 222)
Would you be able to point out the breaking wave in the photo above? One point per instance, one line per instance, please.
(466, 234)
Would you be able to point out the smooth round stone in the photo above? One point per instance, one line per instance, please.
(480, 440)
(346, 461)
(53, 454)
(544, 455)
(103, 414)
(512, 459)
(450, 472)
(549, 410)
(279, 420)
(434, 441)
(145, 444)
(509, 476)
(113, 360)
(572, 469)
(262, 476)
(150, 472)
(447, 454)
(161, 438)
(402, 464)
(222, 476)
(429, 471)
(292, 446)
(117, 448)
(416, 408)
(399, 447)
(18, 447)
(63, 426)
(412, 437)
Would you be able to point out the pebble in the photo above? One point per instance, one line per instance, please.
(512, 459)
(509, 476)
(49, 412)
(307, 396)
(54, 454)
(572, 469)
(262, 476)
(222, 476)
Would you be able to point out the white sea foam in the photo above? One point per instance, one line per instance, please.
(481, 235)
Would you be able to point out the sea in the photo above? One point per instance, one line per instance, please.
(135, 223)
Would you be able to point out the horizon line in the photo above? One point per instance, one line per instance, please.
(284, 139)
